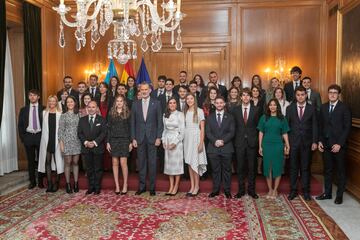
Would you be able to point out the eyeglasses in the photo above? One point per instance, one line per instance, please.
(333, 92)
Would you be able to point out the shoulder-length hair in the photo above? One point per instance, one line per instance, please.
(238, 99)
(207, 102)
(125, 113)
(281, 90)
(104, 84)
(260, 82)
(168, 112)
(259, 90)
(202, 84)
(58, 106)
(186, 108)
(278, 109)
(76, 107)
(237, 78)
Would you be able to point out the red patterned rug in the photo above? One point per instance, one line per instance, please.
(35, 214)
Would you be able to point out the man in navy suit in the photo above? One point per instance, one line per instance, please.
(303, 138)
(246, 143)
(220, 129)
(168, 94)
(161, 87)
(290, 87)
(29, 127)
(334, 129)
(93, 88)
(146, 132)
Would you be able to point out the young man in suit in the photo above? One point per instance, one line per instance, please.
(246, 143)
(146, 132)
(92, 133)
(29, 127)
(181, 100)
(93, 88)
(290, 87)
(161, 87)
(182, 81)
(213, 77)
(168, 94)
(313, 97)
(220, 129)
(193, 89)
(68, 83)
(303, 138)
(334, 129)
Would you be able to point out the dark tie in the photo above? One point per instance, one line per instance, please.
(301, 114)
(219, 119)
(167, 98)
(93, 92)
(91, 123)
(331, 108)
(245, 115)
(296, 85)
(34, 118)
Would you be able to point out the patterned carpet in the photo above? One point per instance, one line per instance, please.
(37, 215)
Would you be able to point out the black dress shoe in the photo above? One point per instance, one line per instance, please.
(253, 195)
(97, 192)
(152, 193)
(228, 195)
(323, 197)
(292, 196)
(139, 192)
(213, 194)
(90, 191)
(338, 200)
(239, 195)
(31, 185)
(76, 187)
(307, 197)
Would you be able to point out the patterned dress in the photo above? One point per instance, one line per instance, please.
(68, 125)
(174, 127)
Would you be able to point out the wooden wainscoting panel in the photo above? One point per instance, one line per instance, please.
(353, 163)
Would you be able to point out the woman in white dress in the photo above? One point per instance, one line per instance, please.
(172, 138)
(50, 157)
(279, 94)
(194, 147)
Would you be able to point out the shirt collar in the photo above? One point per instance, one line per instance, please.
(221, 112)
(34, 104)
(334, 104)
(94, 116)
(245, 106)
(298, 105)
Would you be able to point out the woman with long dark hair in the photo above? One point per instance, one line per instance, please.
(279, 94)
(118, 140)
(132, 90)
(273, 128)
(208, 105)
(236, 82)
(69, 142)
(114, 83)
(172, 139)
(234, 99)
(257, 82)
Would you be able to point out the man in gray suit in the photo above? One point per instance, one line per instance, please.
(146, 131)
(313, 97)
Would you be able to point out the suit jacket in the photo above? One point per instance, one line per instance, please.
(73, 93)
(290, 91)
(23, 123)
(201, 96)
(178, 104)
(334, 128)
(176, 88)
(225, 132)
(315, 99)
(97, 95)
(246, 133)
(163, 102)
(152, 127)
(97, 134)
(304, 130)
(154, 94)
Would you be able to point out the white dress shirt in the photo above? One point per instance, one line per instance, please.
(296, 82)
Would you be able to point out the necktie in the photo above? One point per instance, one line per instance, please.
(91, 122)
(159, 92)
(167, 98)
(34, 119)
(181, 105)
(93, 92)
(296, 85)
(331, 108)
(145, 108)
(219, 119)
(301, 112)
(245, 115)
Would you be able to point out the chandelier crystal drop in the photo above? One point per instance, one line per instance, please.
(130, 18)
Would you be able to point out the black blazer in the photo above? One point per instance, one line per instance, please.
(304, 130)
(97, 134)
(225, 132)
(178, 104)
(334, 128)
(23, 123)
(290, 91)
(152, 128)
(163, 102)
(73, 93)
(97, 95)
(246, 133)
(315, 99)
(154, 94)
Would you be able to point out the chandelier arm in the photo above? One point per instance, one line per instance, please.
(96, 11)
(153, 12)
(172, 28)
(67, 23)
(87, 29)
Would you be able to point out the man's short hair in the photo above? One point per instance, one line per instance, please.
(334, 87)
(220, 97)
(193, 82)
(212, 72)
(94, 76)
(162, 77)
(296, 69)
(183, 71)
(307, 78)
(82, 82)
(34, 91)
(300, 89)
(170, 80)
(67, 76)
(246, 90)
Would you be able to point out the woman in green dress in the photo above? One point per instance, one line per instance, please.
(273, 128)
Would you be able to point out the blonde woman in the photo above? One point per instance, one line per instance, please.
(194, 147)
(118, 140)
(50, 157)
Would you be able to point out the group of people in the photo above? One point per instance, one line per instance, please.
(205, 127)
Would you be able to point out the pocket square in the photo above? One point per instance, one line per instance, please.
(98, 124)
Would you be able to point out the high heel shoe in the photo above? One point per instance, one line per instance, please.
(76, 187)
(195, 194)
(68, 188)
(117, 193)
(123, 193)
(173, 194)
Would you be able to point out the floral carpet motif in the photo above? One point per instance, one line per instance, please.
(34, 214)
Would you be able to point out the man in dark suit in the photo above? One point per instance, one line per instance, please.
(193, 89)
(303, 138)
(313, 97)
(68, 83)
(93, 88)
(29, 127)
(146, 132)
(290, 87)
(334, 129)
(168, 94)
(161, 87)
(182, 81)
(220, 128)
(246, 143)
(181, 98)
(92, 133)
(213, 77)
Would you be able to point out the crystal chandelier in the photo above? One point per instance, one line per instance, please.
(129, 18)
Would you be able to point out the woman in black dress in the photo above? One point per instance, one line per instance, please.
(256, 82)
(233, 98)
(118, 140)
